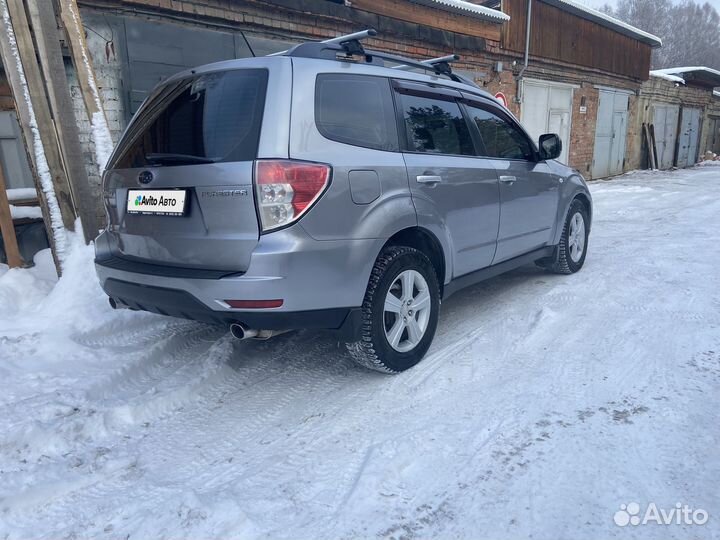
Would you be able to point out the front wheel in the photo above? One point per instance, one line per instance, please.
(399, 312)
(571, 252)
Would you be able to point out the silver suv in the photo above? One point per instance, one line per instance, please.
(330, 187)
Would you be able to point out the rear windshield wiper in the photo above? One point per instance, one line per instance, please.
(177, 159)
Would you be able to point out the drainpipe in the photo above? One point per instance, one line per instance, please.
(519, 96)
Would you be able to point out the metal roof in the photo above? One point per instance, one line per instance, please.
(603, 19)
(700, 75)
(466, 8)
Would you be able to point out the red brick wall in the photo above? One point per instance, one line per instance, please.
(582, 132)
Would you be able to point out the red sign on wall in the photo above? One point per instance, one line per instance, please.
(502, 99)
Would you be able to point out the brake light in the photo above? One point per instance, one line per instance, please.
(286, 189)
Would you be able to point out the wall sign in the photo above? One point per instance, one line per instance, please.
(502, 99)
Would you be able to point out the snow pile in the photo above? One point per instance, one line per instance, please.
(43, 171)
(16, 194)
(25, 212)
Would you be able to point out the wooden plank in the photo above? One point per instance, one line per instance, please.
(47, 39)
(45, 126)
(7, 229)
(16, 79)
(82, 61)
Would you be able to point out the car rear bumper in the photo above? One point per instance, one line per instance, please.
(320, 283)
(178, 303)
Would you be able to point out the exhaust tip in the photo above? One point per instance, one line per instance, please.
(239, 331)
(113, 303)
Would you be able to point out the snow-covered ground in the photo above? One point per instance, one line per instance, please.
(544, 404)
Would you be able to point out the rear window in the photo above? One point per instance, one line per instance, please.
(357, 110)
(215, 116)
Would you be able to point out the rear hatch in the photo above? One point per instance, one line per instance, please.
(178, 189)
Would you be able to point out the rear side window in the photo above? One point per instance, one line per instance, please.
(435, 126)
(501, 138)
(215, 116)
(357, 110)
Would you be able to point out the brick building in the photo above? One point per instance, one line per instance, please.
(684, 113)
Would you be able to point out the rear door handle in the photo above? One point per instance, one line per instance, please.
(433, 179)
(508, 179)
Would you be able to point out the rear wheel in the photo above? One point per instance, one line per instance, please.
(571, 252)
(399, 312)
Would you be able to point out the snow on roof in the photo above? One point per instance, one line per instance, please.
(603, 19)
(681, 70)
(716, 93)
(698, 74)
(466, 8)
(660, 74)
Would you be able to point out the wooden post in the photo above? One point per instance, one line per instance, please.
(42, 16)
(43, 118)
(7, 228)
(70, 15)
(28, 128)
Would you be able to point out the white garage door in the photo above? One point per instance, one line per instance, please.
(665, 122)
(610, 134)
(547, 108)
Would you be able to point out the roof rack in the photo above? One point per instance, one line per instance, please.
(350, 45)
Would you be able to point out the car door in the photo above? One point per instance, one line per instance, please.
(448, 181)
(529, 191)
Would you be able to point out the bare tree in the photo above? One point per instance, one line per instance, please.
(690, 31)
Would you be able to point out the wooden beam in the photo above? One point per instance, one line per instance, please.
(25, 113)
(47, 38)
(7, 229)
(43, 117)
(82, 61)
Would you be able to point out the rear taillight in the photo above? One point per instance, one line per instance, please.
(286, 189)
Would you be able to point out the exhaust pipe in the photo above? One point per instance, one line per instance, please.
(241, 332)
(117, 304)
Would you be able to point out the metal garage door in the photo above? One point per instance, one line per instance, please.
(610, 134)
(665, 121)
(547, 108)
(689, 137)
(157, 50)
(714, 139)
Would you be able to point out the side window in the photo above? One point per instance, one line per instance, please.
(357, 110)
(501, 138)
(435, 126)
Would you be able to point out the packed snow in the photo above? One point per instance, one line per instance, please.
(545, 403)
(25, 212)
(17, 194)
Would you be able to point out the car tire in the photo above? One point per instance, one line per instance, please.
(395, 333)
(571, 251)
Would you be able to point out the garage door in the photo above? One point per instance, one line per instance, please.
(689, 137)
(547, 108)
(610, 134)
(665, 122)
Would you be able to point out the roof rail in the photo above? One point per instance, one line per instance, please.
(350, 45)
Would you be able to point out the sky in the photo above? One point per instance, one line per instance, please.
(599, 3)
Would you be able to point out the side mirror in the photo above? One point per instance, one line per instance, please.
(550, 146)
